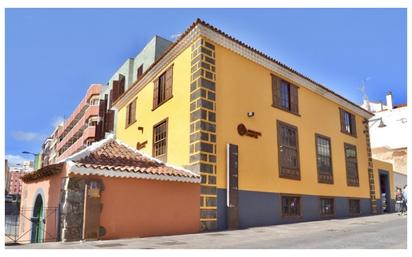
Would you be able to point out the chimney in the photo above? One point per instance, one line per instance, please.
(389, 102)
(366, 104)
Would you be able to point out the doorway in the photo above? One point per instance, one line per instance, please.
(385, 191)
(37, 221)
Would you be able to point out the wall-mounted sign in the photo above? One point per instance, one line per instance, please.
(141, 145)
(232, 186)
(243, 131)
(232, 175)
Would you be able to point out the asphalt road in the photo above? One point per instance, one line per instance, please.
(381, 231)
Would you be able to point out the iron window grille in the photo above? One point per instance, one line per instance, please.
(290, 206)
(160, 140)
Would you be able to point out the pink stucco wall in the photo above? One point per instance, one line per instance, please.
(49, 188)
(141, 208)
(131, 207)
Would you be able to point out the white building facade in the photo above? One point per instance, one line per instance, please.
(388, 135)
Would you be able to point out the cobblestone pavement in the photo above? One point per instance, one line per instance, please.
(381, 231)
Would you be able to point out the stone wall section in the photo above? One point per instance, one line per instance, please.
(203, 128)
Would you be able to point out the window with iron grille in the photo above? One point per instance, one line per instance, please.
(348, 122)
(288, 151)
(324, 159)
(290, 206)
(284, 95)
(352, 175)
(354, 206)
(160, 140)
(327, 206)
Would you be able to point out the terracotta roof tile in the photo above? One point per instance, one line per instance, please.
(118, 157)
(43, 172)
(112, 158)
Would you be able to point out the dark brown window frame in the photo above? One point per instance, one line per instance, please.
(333, 206)
(352, 121)
(279, 124)
(349, 180)
(129, 113)
(277, 104)
(328, 177)
(162, 157)
(158, 103)
(349, 207)
(283, 215)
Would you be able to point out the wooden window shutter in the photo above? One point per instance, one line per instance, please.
(111, 97)
(169, 83)
(353, 124)
(133, 111)
(115, 90)
(342, 120)
(155, 93)
(275, 90)
(109, 121)
(128, 115)
(294, 102)
(98, 131)
(122, 81)
(139, 72)
(102, 107)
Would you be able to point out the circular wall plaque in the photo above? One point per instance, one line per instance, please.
(241, 129)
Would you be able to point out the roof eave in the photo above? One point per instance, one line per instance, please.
(201, 28)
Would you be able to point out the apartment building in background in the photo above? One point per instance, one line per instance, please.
(48, 154)
(6, 176)
(127, 74)
(93, 117)
(14, 184)
(79, 129)
(250, 126)
(388, 129)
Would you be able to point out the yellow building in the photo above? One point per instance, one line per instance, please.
(288, 148)
(384, 186)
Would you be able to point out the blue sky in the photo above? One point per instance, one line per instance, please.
(53, 55)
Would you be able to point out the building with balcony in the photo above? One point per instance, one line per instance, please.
(14, 184)
(127, 74)
(79, 129)
(48, 153)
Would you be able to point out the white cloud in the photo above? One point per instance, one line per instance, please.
(57, 121)
(28, 136)
(15, 159)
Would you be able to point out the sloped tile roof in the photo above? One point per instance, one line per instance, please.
(43, 172)
(118, 157)
(112, 158)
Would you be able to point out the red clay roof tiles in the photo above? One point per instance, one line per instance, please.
(112, 158)
(121, 158)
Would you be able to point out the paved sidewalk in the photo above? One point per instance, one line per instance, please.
(381, 231)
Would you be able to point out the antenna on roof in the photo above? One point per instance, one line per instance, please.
(364, 95)
(363, 90)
